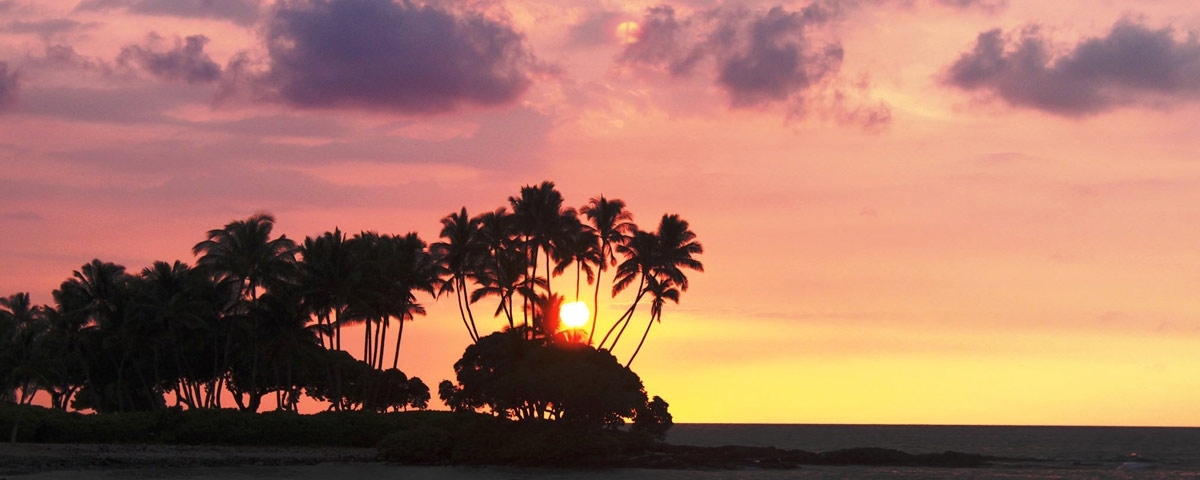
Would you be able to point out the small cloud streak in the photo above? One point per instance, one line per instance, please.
(1131, 65)
(985, 5)
(186, 62)
(402, 57)
(242, 12)
(8, 87)
(44, 28)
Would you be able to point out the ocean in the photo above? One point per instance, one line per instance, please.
(1035, 452)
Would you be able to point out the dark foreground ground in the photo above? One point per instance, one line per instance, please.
(27, 459)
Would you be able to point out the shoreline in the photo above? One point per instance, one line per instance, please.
(39, 458)
(30, 458)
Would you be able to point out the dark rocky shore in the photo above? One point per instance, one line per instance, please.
(740, 457)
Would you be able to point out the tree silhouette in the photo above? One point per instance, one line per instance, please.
(258, 315)
(245, 254)
(657, 260)
(540, 221)
(611, 224)
(331, 279)
(460, 256)
(22, 325)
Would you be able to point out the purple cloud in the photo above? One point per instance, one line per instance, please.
(1130, 65)
(986, 5)
(186, 62)
(8, 87)
(242, 12)
(777, 60)
(761, 57)
(381, 55)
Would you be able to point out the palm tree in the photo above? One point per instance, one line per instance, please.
(662, 255)
(396, 268)
(330, 278)
(245, 252)
(502, 266)
(184, 307)
(459, 256)
(611, 224)
(22, 325)
(660, 290)
(413, 270)
(539, 218)
(640, 251)
(579, 246)
(503, 275)
(677, 245)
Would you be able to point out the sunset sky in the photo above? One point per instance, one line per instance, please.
(913, 211)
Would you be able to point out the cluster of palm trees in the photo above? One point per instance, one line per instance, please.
(259, 314)
(511, 255)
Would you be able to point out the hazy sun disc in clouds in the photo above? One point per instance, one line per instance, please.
(574, 314)
(628, 32)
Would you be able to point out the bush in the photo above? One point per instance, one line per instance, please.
(423, 445)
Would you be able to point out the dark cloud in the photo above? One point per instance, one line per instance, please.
(1130, 65)
(8, 87)
(665, 42)
(186, 62)
(761, 57)
(377, 54)
(777, 61)
(243, 12)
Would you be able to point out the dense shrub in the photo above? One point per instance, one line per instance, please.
(520, 378)
(208, 427)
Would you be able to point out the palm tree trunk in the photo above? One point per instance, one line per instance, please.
(337, 330)
(399, 336)
(625, 316)
(467, 303)
(367, 341)
(639, 347)
(549, 291)
(596, 304)
(459, 300)
(533, 257)
(381, 342)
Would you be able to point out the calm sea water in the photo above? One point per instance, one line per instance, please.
(1036, 452)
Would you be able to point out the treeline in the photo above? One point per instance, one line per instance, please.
(260, 316)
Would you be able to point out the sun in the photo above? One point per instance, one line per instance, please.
(574, 314)
(628, 32)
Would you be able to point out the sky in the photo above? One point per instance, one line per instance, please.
(912, 211)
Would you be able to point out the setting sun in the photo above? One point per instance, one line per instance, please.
(574, 314)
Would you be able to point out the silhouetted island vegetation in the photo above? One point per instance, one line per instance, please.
(157, 356)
